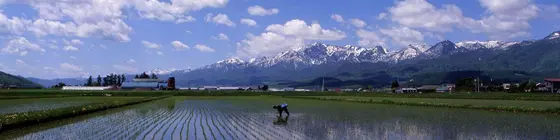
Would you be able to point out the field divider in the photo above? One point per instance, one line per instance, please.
(553, 111)
(17, 120)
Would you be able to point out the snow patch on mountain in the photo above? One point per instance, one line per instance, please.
(160, 71)
(553, 36)
(492, 44)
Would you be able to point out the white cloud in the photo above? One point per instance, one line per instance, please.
(422, 14)
(151, 45)
(358, 23)
(219, 19)
(369, 38)
(77, 42)
(174, 10)
(382, 16)
(260, 11)
(72, 57)
(278, 38)
(68, 70)
(131, 61)
(21, 45)
(300, 29)
(20, 62)
(159, 53)
(179, 45)
(185, 19)
(248, 22)
(124, 68)
(337, 18)
(204, 48)
(70, 48)
(70, 67)
(221, 36)
(503, 19)
(403, 36)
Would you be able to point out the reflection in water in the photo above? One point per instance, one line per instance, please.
(281, 120)
(222, 119)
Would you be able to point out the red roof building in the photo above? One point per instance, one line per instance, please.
(553, 84)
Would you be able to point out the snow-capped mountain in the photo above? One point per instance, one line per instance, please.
(445, 47)
(493, 44)
(554, 37)
(159, 71)
(410, 52)
(318, 53)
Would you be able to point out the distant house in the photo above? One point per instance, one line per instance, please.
(289, 89)
(142, 85)
(553, 84)
(228, 88)
(85, 88)
(210, 87)
(506, 86)
(444, 89)
(302, 90)
(428, 88)
(407, 90)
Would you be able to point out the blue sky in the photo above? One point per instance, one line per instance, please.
(60, 39)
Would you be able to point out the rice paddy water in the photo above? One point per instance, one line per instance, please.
(227, 118)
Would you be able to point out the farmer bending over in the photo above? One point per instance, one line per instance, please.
(281, 108)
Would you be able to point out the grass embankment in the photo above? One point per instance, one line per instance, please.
(9, 121)
(547, 107)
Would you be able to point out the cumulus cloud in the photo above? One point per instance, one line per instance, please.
(174, 10)
(221, 36)
(178, 45)
(151, 45)
(70, 67)
(337, 18)
(369, 38)
(248, 22)
(503, 19)
(123, 68)
(159, 53)
(219, 19)
(70, 48)
(131, 61)
(260, 11)
(20, 62)
(21, 45)
(403, 36)
(358, 23)
(204, 48)
(278, 38)
(185, 19)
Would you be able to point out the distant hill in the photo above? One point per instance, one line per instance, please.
(52, 82)
(8, 79)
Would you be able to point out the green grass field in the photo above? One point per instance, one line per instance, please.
(457, 102)
(38, 104)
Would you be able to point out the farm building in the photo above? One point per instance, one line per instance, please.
(444, 89)
(428, 88)
(553, 84)
(210, 88)
(144, 84)
(85, 88)
(228, 88)
(407, 90)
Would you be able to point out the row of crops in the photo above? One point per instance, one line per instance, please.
(40, 104)
(189, 119)
(225, 118)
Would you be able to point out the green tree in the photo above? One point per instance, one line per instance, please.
(136, 77)
(118, 80)
(123, 79)
(395, 84)
(465, 84)
(265, 87)
(154, 76)
(105, 81)
(98, 80)
(89, 81)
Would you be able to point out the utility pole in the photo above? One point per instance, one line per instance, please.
(323, 85)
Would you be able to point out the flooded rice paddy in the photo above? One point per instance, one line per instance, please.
(225, 118)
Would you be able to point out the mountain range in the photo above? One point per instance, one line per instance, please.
(378, 66)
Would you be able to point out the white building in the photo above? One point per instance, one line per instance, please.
(228, 88)
(85, 88)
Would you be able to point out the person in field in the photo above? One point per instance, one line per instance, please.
(282, 108)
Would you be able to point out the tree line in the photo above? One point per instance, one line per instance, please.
(109, 80)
